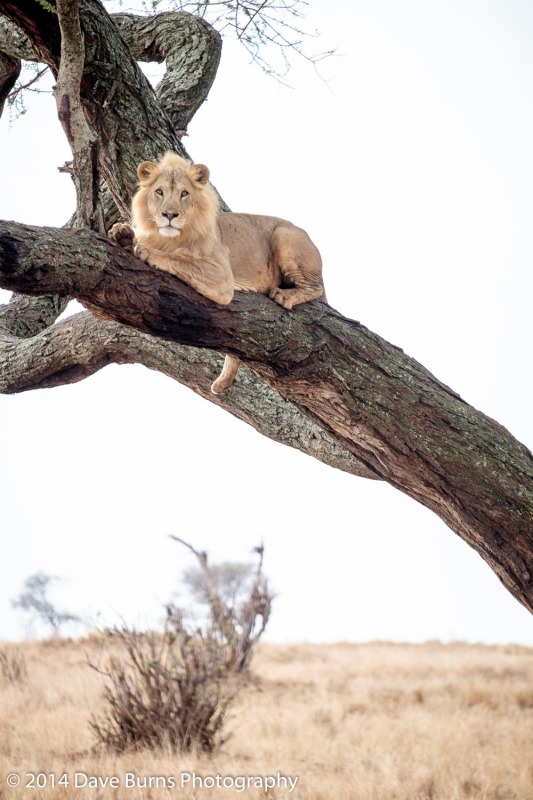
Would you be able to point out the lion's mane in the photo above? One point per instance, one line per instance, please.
(199, 234)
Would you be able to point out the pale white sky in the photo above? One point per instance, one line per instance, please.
(411, 166)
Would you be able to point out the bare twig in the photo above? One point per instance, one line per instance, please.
(265, 28)
(253, 16)
(11, 96)
(234, 623)
(201, 556)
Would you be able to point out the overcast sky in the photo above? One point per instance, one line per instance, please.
(410, 163)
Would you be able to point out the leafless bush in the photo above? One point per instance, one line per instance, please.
(174, 689)
(13, 665)
(170, 690)
(238, 608)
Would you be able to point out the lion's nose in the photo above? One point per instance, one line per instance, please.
(170, 215)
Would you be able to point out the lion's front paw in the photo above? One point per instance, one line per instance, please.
(123, 235)
(142, 252)
(283, 297)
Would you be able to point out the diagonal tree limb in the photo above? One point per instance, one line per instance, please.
(385, 408)
(81, 345)
(394, 416)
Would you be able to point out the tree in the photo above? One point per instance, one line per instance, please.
(231, 579)
(35, 600)
(237, 600)
(317, 381)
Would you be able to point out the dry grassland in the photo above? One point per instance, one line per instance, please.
(351, 722)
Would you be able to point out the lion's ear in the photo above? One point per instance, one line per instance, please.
(200, 173)
(145, 169)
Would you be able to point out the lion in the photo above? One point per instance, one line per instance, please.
(177, 226)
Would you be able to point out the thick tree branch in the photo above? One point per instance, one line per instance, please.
(118, 102)
(373, 401)
(14, 42)
(83, 140)
(14, 47)
(9, 72)
(391, 413)
(81, 345)
(191, 49)
(119, 105)
(25, 316)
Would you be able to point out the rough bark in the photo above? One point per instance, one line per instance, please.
(373, 400)
(118, 102)
(190, 47)
(24, 317)
(15, 43)
(83, 140)
(36, 356)
(373, 404)
(192, 51)
(80, 348)
(9, 72)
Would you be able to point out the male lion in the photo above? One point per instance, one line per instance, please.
(178, 227)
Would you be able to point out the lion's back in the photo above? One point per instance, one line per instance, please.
(252, 243)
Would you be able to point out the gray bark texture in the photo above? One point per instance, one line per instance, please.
(317, 380)
(9, 72)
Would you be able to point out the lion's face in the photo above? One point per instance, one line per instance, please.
(171, 192)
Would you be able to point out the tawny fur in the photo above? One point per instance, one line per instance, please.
(178, 228)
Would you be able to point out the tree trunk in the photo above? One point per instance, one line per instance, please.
(119, 103)
(358, 402)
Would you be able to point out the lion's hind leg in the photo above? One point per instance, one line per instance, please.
(300, 264)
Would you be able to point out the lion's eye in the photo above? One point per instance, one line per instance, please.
(185, 193)
(159, 192)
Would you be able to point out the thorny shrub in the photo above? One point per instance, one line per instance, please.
(173, 689)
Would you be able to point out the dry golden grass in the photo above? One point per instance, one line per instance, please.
(352, 722)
